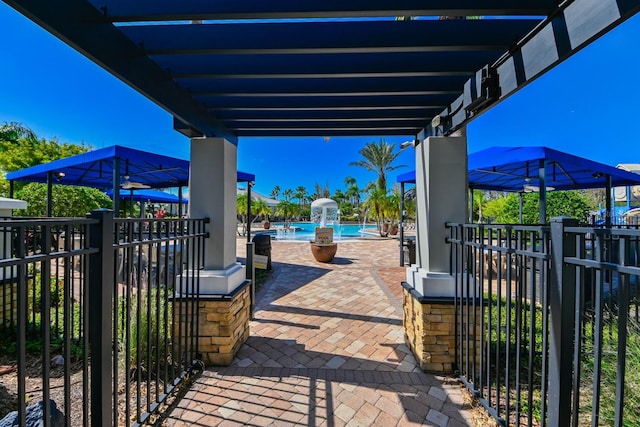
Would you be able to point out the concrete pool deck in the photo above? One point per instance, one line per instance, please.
(326, 349)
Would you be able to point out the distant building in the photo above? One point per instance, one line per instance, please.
(254, 194)
(631, 195)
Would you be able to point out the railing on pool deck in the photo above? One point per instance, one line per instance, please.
(99, 315)
(548, 321)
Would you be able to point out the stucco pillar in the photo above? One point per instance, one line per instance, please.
(441, 194)
(212, 194)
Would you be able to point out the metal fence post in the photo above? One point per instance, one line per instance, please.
(402, 224)
(562, 321)
(251, 275)
(100, 289)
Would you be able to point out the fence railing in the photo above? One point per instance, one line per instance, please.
(548, 321)
(98, 315)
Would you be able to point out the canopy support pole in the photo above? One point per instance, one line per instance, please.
(50, 194)
(249, 211)
(608, 204)
(116, 187)
(543, 192)
(520, 207)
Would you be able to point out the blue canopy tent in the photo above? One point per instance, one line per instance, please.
(528, 169)
(153, 196)
(112, 168)
(407, 177)
(144, 196)
(513, 168)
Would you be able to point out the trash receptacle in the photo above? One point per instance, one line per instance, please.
(409, 251)
(262, 244)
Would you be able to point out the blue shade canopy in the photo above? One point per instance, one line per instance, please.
(326, 67)
(96, 169)
(144, 195)
(513, 168)
(407, 177)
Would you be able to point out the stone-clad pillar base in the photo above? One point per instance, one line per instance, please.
(223, 324)
(430, 331)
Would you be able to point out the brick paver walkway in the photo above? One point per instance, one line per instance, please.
(326, 349)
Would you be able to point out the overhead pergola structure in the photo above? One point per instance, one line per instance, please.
(538, 169)
(227, 70)
(326, 68)
(112, 168)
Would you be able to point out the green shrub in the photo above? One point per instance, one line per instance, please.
(150, 322)
(609, 373)
(56, 294)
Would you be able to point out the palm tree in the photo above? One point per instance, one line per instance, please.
(353, 192)
(14, 131)
(286, 209)
(287, 194)
(241, 209)
(378, 158)
(301, 195)
(479, 203)
(377, 204)
(261, 208)
(275, 192)
(393, 207)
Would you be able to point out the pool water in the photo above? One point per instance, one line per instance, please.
(305, 231)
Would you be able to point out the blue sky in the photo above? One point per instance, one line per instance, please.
(588, 106)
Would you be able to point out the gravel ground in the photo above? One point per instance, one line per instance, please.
(34, 385)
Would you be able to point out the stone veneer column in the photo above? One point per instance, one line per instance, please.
(224, 298)
(223, 325)
(441, 195)
(430, 328)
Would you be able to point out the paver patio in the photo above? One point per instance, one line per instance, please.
(326, 349)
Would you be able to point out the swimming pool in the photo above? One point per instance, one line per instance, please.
(304, 231)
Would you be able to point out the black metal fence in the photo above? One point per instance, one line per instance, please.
(98, 315)
(548, 321)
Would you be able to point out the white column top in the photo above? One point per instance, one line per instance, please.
(6, 203)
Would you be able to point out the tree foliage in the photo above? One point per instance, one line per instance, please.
(241, 210)
(286, 209)
(68, 201)
(275, 192)
(20, 148)
(559, 203)
(377, 203)
(260, 208)
(13, 132)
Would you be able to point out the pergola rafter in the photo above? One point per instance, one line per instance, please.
(329, 68)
